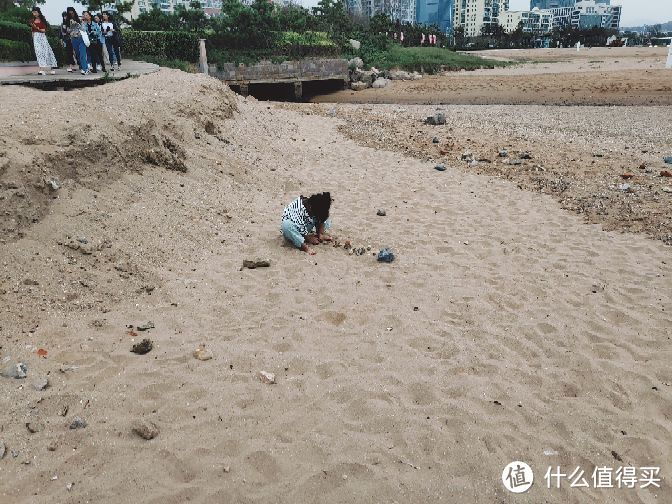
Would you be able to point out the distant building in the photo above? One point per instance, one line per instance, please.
(210, 7)
(435, 12)
(596, 13)
(534, 21)
(581, 13)
(397, 10)
(472, 15)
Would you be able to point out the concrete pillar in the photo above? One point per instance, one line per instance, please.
(202, 57)
(298, 90)
(244, 89)
(669, 57)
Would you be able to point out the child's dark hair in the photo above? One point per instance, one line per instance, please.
(318, 206)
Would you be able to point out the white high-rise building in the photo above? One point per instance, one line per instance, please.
(472, 15)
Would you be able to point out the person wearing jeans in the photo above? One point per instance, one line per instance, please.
(110, 34)
(75, 34)
(95, 49)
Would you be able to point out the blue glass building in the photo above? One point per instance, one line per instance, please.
(435, 12)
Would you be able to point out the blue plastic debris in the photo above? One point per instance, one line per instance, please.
(668, 159)
(386, 255)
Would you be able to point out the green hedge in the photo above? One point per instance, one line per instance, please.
(9, 30)
(11, 50)
(163, 45)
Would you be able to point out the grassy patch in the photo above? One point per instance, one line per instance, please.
(430, 60)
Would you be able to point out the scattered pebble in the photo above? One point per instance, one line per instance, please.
(41, 384)
(550, 452)
(665, 173)
(503, 153)
(12, 369)
(381, 212)
(69, 486)
(227, 469)
(267, 378)
(435, 140)
(386, 255)
(78, 423)
(3, 449)
(202, 354)
(145, 346)
(145, 429)
(667, 159)
(256, 263)
(34, 426)
(440, 167)
(146, 327)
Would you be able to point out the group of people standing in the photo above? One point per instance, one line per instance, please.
(85, 40)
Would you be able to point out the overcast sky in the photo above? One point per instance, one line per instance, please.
(635, 12)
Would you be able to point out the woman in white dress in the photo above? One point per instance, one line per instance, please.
(45, 55)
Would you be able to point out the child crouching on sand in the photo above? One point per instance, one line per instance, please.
(306, 219)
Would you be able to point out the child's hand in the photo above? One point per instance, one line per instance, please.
(308, 250)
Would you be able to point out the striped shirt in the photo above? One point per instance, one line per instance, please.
(296, 213)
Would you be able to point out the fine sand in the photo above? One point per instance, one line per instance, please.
(506, 329)
(593, 76)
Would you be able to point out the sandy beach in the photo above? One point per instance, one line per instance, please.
(514, 324)
(593, 76)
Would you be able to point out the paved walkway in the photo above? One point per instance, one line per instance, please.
(19, 75)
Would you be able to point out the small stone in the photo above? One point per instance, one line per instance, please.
(624, 187)
(515, 162)
(440, 167)
(34, 426)
(227, 469)
(667, 159)
(69, 486)
(41, 384)
(435, 140)
(667, 189)
(78, 423)
(29, 281)
(256, 263)
(503, 153)
(202, 354)
(266, 377)
(467, 156)
(525, 155)
(53, 183)
(145, 429)
(52, 446)
(3, 450)
(146, 327)
(549, 452)
(386, 255)
(627, 175)
(381, 212)
(437, 119)
(17, 370)
(666, 173)
(145, 346)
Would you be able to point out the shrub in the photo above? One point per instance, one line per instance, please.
(162, 45)
(11, 50)
(19, 15)
(10, 30)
